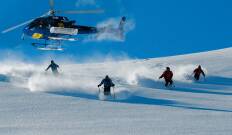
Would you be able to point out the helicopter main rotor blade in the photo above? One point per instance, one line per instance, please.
(97, 11)
(20, 25)
(51, 3)
(17, 26)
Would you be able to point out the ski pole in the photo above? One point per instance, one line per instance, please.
(191, 75)
(114, 92)
(173, 85)
(99, 90)
(204, 79)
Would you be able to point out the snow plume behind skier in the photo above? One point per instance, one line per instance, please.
(83, 78)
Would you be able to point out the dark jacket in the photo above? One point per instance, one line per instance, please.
(107, 82)
(167, 75)
(198, 72)
(53, 67)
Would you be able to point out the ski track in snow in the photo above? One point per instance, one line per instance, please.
(138, 90)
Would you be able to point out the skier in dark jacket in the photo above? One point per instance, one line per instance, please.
(167, 75)
(54, 67)
(107, 82)
(197, 73)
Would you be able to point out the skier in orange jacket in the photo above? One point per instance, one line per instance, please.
(167, 75)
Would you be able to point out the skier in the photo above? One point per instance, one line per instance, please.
(197, 73)
(54, 67)
(107, 85)
(167, 75)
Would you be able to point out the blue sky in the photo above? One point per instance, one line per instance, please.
(163, 28)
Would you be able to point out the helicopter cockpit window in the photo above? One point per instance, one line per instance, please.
(57, 22)
(54, 17)
(40, 22)
(65, 19)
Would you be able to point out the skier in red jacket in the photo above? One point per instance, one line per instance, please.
(167, 75)
(197, 73)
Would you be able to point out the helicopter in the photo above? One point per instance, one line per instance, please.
(50, 27)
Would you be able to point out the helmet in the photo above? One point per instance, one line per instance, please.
(124, 18)
(167, 68)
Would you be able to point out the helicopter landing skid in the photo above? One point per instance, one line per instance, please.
(48, 47)
(62, 39)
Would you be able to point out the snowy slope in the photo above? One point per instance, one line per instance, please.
(36, 103)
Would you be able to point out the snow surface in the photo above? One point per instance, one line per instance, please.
(33, 102)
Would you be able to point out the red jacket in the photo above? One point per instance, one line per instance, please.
(167, 75)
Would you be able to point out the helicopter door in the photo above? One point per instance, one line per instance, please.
(66, 31)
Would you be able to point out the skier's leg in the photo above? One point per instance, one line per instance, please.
(107, 91)
(55, 72)
(171, 82)
(166, 83)
(114, 95)
(197, 77)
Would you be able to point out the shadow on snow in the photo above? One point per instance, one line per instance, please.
(168, 103)
(216, 80)
(4, 78)
(138, 100)
(188, 87)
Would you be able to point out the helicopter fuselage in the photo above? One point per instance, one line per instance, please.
(55, 26)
